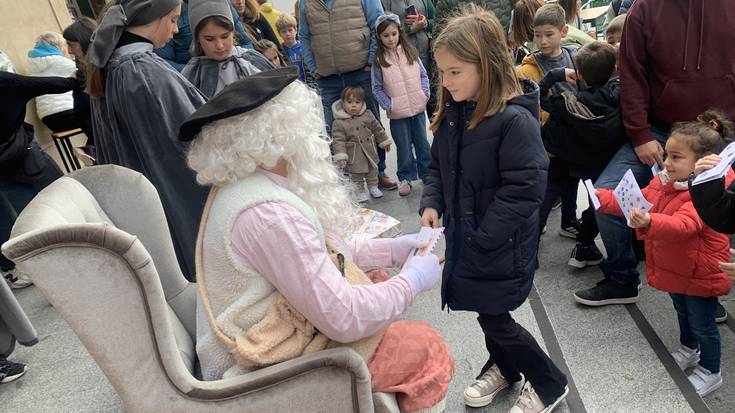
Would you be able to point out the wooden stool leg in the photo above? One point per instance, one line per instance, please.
(61, 154)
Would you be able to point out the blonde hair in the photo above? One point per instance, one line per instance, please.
(476, 36)
(52, 39)
(286, 21)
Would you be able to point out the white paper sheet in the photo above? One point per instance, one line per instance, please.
(719, 171)
(629, 196)
(591, 192)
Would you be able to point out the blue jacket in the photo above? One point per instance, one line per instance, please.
(176, 52)
(487, 184)
(296, 58)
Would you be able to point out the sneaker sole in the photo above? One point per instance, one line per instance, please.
(567, 234)
(8, 379)
(582, 264)
(376, 196)
(721, 320)
(551, 408)
(711, 389)
(485, 400)
(692, 363)
(609, 301)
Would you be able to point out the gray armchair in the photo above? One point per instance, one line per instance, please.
(126, 299)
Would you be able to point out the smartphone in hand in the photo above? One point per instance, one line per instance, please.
(411, 10)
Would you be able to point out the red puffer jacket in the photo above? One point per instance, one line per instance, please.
(682, 253)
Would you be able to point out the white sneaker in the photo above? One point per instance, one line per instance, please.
(686, 357)
(17, 279)
(375, 192)
(529, 401)
(483, 390)
(363, 196)
(704, 381)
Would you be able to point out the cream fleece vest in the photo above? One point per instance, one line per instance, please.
(402, 83)
(340, 40)
(238, 295)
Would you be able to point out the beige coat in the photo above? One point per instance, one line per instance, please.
(355, 138)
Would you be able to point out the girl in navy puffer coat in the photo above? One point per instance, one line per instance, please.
(486, 180)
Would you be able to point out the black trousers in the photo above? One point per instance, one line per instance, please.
(515, 351)
(19, 185)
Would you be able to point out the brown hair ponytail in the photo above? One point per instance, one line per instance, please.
(707, 134)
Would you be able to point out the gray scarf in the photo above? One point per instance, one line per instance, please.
(123, 14)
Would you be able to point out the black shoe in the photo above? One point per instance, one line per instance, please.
(585, 256)
(720, 314)
(608, 292)
(570, 229)
(10, 371)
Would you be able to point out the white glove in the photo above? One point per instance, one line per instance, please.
(423, 272)
(400, 248)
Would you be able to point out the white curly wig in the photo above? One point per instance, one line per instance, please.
(291, 127)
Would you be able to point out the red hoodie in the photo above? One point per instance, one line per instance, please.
(677, 59)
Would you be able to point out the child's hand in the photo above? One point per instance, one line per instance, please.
(708, 162)
(343, 164)
(430, 218)
(387, 148)
(640, 219)
(729, 267)
(570, 75)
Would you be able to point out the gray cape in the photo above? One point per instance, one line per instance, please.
(205, 73)
(136, 125)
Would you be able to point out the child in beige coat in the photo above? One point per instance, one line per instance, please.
(355, 132)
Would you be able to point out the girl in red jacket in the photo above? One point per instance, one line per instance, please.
(682, 252)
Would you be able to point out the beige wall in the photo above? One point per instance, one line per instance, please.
(21, 21)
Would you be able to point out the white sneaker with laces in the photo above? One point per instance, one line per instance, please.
(375, 192)
(704, 381)
(363, 196)
(529, 401)
(483, 390)
(16, 279)
(686, 357)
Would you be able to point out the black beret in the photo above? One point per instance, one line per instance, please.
(239, 97)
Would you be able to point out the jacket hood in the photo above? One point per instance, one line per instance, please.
(339, 112)
(52, 65)
(43, 50)
(529, 99)
(266, 7)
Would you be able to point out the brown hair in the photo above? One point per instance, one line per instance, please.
(706, 135)
(476, 36)
(95, 78)
(596, 62)
(222, 22)
(615, 25)
(252, 8)
(550, 14)
(80, 32)
(412, 54)
(571, 8)
(286, 21)
(353, 91)
(523, 14)
(264, 44)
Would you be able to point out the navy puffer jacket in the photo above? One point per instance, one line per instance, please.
(487, 184)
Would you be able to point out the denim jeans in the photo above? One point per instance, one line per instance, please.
(409, 134)
(621, 264)
(331, 88)
(697, 328)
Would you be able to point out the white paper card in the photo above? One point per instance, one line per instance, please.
(655, 169)
(591, 192)
(429, 237)
(629, 196)
(719, 171)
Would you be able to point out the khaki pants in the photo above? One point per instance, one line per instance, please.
(371, 177)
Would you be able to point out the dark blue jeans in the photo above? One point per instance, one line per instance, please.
(697, 328)
(331, 88)
(409, 134)
(621, 264)
(559, 184)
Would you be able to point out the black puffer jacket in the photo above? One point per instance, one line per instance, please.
(487, 184)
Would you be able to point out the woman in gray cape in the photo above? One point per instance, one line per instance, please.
(217, 60)
(138, 104)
